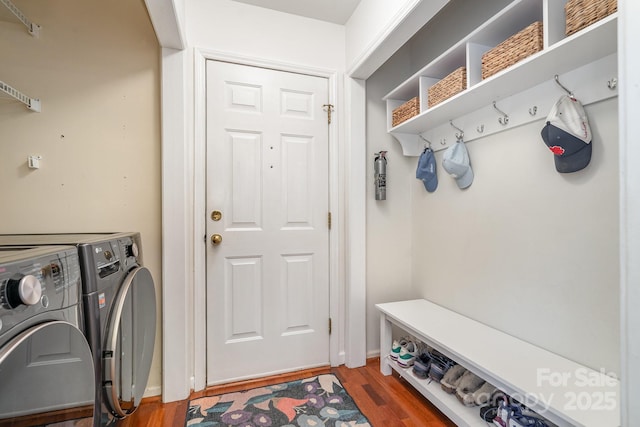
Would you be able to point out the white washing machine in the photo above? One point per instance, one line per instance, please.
(46, 365)
(119, 305)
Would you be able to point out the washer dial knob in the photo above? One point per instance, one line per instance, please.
(23, 289)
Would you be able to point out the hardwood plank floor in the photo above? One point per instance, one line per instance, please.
(386, 401)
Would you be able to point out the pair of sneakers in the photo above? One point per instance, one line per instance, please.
(404, 352)
(516, 416)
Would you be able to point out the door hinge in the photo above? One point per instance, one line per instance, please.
(329, 325)
(329, 220)
(328, 108)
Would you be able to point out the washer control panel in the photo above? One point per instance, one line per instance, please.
(36, 280)
(107, 258)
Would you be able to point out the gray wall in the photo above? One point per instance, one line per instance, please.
(526, 250)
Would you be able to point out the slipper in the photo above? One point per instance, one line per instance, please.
(483, 395)
(450, 380)
(468, 384)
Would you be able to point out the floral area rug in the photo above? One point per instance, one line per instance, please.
(311, 402)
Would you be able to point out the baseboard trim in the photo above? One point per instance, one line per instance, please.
(152, 391)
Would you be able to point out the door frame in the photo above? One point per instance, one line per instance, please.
(336, 196)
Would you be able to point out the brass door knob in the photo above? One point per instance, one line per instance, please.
(216, 239)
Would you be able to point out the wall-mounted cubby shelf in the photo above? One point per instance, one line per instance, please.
(560, 55)
(33, 28)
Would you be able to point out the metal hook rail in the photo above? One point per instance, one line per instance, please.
(427, 143)
(504, 120)
(570, 93)
(460, 134)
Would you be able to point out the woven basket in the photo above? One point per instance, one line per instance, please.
(512, 50)
(405, 111)
(454, 83)
(582, 13)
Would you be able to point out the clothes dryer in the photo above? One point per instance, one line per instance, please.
(46, 364)
(119, 305)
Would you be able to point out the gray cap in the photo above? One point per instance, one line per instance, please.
(457, 164)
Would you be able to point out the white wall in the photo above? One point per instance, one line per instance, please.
(247, 30)
(524, 249)
(391, 241)
(369, 20)
(95, 68)
(389, 228)
(377, 28)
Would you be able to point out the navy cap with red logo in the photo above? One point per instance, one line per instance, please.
(568, 135)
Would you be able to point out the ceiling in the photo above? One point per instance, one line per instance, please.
(336, 11)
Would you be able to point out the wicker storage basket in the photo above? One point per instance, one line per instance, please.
(448, 86)
(512, 50)
(405, 111)
(582, 13)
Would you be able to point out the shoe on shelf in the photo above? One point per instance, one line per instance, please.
(421, 365)
(396, 347)
(467, 386)
(440, 364)
(408, 354)
(483, 395)
(450, 380)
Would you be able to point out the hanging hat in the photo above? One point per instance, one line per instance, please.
(426, 171)
(568, 135)
(457, 164)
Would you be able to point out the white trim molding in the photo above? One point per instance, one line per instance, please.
(629, 110)
(166, 18)
(176, 205)
(356, 292)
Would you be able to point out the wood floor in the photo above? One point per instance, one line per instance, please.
(385, 401)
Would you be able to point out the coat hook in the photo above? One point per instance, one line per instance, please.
(613, 83)
(563, 87)
(443, 141)
(504, 120)
(427, 143)
(533, 110)
(480, 128)
(460, 134)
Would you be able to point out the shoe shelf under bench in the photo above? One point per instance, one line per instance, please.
(445, 402)
(563, 391)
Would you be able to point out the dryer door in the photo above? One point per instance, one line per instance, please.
(46, 368)
(129, 343)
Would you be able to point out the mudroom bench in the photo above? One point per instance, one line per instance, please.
(563, 391)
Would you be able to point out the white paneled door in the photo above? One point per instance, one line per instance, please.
(267, 208)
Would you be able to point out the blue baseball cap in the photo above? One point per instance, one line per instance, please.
(426, 171)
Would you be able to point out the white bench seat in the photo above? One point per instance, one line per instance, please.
(565, 392)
